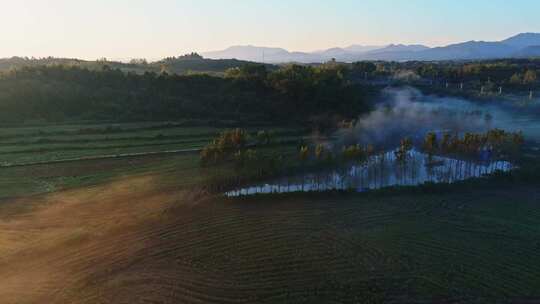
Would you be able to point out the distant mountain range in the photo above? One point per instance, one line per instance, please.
(520, 46)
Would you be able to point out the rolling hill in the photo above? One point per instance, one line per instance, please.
(181, 65)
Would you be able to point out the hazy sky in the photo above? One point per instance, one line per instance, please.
(158, 28)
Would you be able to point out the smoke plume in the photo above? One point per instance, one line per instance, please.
(406, 112)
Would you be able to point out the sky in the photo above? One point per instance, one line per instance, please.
(153, 29)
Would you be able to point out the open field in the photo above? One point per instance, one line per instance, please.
(257, 152)
(119, 149)
(21, 145)
(140, 230)
(152, 238)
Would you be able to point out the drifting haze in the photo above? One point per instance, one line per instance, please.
(406, 112)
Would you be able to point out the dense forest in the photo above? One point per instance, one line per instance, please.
(252, 92)
(55, 90)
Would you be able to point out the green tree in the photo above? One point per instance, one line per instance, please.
(363, 68)
(248, 72)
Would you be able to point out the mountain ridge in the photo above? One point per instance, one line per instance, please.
(517, 46)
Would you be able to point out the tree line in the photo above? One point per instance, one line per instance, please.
(183, 65)
(251, 92)
(513, 74)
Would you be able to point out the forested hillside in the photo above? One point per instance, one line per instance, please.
(186, 64)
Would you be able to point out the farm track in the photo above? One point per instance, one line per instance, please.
(100, 157)
(98, 147)
(120, 155)
(136, 241)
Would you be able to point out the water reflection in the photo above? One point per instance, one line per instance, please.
(378, 172)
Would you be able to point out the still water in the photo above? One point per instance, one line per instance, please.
(378, 172)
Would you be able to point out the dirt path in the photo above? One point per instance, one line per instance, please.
(99, 157)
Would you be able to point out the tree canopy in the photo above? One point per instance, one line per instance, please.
(59, 93)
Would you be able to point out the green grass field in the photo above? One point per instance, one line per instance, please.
(21, 147)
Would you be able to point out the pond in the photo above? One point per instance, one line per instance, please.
(378, 172)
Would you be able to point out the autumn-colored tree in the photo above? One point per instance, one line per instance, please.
(370, 150)
(529, 77)
(403, 150)
(320, 151)
(354, 152)
(516, 79)
(226, 145)
(430, 144)
(265, 137)
(445, 143)
(243, 158)
(304, 153)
